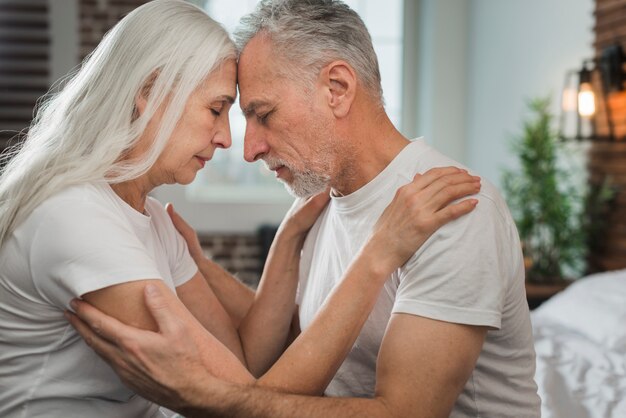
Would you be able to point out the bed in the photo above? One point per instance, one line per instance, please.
(580, 340)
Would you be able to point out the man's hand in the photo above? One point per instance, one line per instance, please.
(168, 366)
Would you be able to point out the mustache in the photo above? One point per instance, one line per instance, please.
(271, 163)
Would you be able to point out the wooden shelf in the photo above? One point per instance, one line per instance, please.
(536, 294)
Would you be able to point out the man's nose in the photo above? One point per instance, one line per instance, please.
(254, 144)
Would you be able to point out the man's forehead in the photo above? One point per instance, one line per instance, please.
(255, 91)
(257, 74)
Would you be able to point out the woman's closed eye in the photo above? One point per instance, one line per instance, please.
(218, 107)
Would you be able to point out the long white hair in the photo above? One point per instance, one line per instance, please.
(84, 132)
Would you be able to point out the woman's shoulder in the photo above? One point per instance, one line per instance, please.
(74, 202)
(82, 193)
(158, 214)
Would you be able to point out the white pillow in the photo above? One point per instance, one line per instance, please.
(594, 306)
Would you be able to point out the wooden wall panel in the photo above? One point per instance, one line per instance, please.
(24, 54)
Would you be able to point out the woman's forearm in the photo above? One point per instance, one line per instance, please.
(265, 328)
(262, 319)
(235, 297)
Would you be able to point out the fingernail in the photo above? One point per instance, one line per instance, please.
(151, 290)
(74, 304)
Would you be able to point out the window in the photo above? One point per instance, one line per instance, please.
(228, 178)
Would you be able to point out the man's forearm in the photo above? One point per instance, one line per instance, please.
(263, 318)
(311, 361)
(233, 401)
(265, 328)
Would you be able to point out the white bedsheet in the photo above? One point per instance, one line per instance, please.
(581, 361)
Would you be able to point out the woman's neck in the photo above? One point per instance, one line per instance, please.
(134, 192)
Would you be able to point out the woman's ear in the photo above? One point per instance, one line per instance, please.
(141, 99)
(140, 106)
(341, 82)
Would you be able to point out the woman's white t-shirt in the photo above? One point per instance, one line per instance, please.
(80, 240)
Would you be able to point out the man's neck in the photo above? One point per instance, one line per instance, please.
(370, 146)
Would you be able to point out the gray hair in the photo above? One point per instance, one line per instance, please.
(309, 34)
(84, 132)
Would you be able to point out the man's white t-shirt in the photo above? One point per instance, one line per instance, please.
(80, 240)
(469, 272)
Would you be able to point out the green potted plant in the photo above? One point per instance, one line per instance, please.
(546, 204)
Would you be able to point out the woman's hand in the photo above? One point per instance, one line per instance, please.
(304, 213)
(188, 233)
(418, 209)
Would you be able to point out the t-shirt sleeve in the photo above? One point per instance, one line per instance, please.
(82, 247)
(182, 266)
(461, 273)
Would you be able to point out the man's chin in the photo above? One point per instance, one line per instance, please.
(298, 191)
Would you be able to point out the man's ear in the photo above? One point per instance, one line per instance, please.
(340, 81)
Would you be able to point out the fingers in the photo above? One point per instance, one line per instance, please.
(439, 187)
(442, 196)
(304, 214)
(188, 233)
(452, 212)
(423, 180)
(164, 308)
(315, 204)
(100, 323)
(442, 177)
(322, 198)
(92, 337)
(181, 225)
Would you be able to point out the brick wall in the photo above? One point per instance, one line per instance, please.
(240, 254)
(607, 160)
(610, 28)
(97, 17)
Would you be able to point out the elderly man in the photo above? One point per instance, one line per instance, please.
(450, 333)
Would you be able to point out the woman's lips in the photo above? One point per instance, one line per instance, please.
(202, 161)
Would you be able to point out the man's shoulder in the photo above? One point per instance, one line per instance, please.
(427, 157)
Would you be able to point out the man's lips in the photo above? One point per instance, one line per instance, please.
(278, 169)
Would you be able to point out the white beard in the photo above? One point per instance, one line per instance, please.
(305, 182)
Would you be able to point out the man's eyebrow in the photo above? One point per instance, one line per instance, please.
(252, 106)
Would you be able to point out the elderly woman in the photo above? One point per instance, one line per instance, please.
(150, 106)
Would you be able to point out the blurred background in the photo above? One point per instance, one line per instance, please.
(529, 94)
(461, 73)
